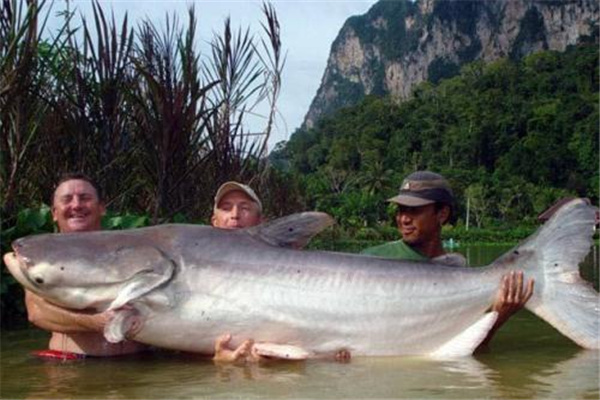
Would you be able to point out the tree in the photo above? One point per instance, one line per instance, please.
(476, 195)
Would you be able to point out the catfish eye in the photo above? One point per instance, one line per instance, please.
(39, 280)
(62, 268)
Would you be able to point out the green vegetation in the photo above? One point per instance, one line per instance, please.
(346, 91)
(392, 37)
(461, 13)
(468, 54)
(442, 68)
(158, 125)
(512, 137)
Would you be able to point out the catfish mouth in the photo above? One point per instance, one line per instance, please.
(17, 266)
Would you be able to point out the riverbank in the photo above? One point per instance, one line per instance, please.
(355, 240)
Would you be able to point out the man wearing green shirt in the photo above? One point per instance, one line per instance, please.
(425, 203)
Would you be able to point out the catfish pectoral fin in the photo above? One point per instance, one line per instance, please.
(146, 280)
(124, 321)
(467, 341)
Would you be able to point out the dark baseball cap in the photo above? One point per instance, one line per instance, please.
(424, 187)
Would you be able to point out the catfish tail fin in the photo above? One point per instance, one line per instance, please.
(562, 297)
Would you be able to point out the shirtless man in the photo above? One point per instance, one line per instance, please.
(76, 207)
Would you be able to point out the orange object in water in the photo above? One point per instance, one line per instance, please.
(57, 355)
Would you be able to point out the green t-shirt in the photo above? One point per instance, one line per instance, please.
(397, 249)
(401, 251)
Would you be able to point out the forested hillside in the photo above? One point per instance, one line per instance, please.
(512, 137)
(398, 44)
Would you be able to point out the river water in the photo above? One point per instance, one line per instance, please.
(528, 360)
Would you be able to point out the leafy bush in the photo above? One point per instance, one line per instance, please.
(126, 221)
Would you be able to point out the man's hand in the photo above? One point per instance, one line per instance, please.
(225, 354)
(343, 356)
(512, 296)
(125, 318)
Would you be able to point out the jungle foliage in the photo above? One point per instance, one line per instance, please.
(158, 125)
(512, 137)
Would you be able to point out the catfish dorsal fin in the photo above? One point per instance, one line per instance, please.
(293, 231)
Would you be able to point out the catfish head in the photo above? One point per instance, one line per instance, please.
(97, 270)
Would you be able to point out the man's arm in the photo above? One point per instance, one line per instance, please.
(53, 318)
(510, 298)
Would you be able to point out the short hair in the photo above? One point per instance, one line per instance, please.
(79, 176)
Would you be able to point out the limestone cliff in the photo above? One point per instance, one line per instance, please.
(400, 43)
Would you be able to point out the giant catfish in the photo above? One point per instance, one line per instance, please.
(188, 284)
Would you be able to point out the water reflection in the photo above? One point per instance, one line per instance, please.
(527, 371)
(566, 375)
(576, 377)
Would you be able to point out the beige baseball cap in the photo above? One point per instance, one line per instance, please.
(232, 186)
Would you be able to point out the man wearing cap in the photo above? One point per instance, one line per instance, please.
(425, 203)
(236, 206)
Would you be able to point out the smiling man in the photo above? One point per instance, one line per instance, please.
(425, 203)
(77, 206)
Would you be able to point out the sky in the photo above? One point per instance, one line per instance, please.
(308, 28)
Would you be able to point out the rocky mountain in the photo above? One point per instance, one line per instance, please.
(398, 44)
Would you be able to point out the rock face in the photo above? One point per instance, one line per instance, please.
(398, 44)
